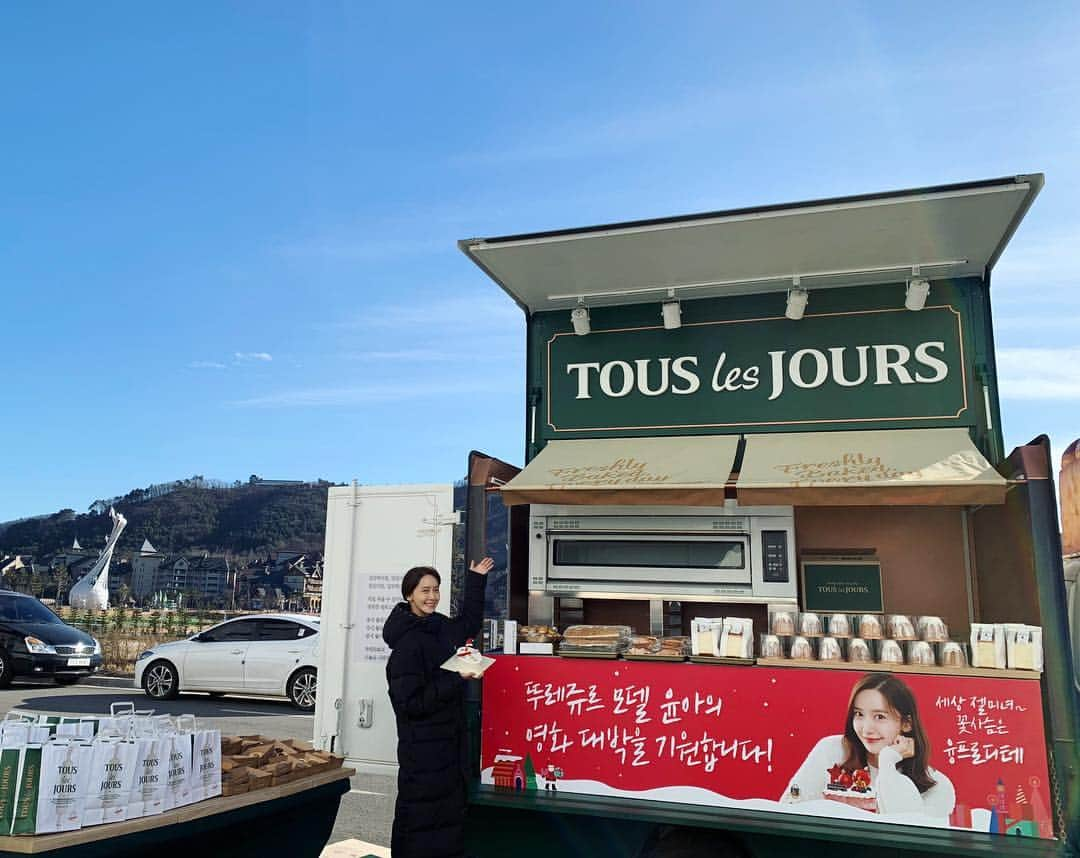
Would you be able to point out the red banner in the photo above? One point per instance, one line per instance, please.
(959, 751)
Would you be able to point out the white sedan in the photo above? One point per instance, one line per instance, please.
(263, 654)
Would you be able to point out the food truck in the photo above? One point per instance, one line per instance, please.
(775, 586)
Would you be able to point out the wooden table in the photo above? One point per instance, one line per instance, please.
(293, 820)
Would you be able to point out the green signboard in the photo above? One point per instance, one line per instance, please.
(842, 586)
(857, 368)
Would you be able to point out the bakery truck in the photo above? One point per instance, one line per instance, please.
(779, 425)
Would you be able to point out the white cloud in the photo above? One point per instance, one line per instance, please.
(205, 364)
(364, 394)
(1039, 373)
(248, 357)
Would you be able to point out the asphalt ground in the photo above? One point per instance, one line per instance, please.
(366, 811)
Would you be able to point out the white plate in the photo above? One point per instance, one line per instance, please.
(79, 662)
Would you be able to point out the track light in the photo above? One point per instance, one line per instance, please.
(671, 311)
(579, 317)
(917, 291)
(796, 301)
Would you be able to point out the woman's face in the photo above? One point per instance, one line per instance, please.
(875, 722)
(425, 598)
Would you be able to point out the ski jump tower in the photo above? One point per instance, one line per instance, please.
(92, 590)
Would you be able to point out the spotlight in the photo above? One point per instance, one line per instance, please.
(796, 303)
(915, 296)
(672, 313)
(579, 316)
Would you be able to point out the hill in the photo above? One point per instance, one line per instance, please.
(187, 516)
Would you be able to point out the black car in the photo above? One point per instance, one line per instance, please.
(36, 642)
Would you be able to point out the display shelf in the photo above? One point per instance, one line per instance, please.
(984, 672)
(654, 657)
(45, 843)
(715, 659)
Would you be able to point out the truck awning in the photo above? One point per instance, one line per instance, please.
(913, 467)
(675, 470)
(947, 231)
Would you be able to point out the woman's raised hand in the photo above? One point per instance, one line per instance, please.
(483, 567)
(904, 746)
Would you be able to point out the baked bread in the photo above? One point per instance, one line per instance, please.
(870, 627)
(859, 652)
(891, 653)
(810, 625)
(782, 623)
(829, 650)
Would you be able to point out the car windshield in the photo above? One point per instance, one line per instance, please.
(25, 609)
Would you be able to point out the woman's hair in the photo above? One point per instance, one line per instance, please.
(902, 701)
(414, 576)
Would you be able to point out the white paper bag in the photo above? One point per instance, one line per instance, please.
(65, 779)
(178, 791)
(112, 772)
(148, 784)
(205, 764)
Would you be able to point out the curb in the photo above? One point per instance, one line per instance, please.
(109, 682)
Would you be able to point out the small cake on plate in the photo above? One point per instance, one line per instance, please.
(851, 788)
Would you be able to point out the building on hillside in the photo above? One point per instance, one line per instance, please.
(205, 576)
(144, 569)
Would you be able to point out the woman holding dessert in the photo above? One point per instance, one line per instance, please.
(881, 762)
(429, 817)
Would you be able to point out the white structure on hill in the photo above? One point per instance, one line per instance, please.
(91, 592)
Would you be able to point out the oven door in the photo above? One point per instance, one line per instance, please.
(670, 559)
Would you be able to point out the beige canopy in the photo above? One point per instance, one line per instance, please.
(684, 471)
(921, 467)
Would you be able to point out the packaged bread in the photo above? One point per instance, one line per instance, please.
(602, 638)
(643, 645)
(953, 655)
(922, 653)
(988, 645)
(737, 638)
(891, 652)
(870, 627)
(829, 650)
(674, 647)
(810, 625)
(538, 634)
(771, 647)
(932, 629)
(705, 635)
(801, 649)
(1023, 646)
(859, 652)
(838, 625)
(899, 627)
(782, 620)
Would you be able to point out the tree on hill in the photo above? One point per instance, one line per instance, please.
(195, 515)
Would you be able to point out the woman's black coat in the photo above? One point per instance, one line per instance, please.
(429, 817)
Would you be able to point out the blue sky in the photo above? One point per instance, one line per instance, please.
(227, 230)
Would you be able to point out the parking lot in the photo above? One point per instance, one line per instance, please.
(366, 811)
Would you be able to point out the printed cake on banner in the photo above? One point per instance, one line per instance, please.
(971, 756)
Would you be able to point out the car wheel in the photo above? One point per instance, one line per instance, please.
(7, 672)
(302, 687)
(60, 679)
(160, 681)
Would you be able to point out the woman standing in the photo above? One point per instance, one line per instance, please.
(429, 817)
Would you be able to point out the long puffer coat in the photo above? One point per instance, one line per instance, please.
(429, 818)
